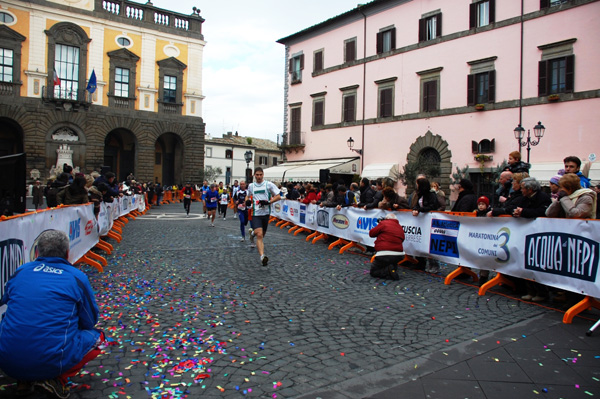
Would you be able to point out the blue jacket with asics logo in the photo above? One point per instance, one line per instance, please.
(49, 324)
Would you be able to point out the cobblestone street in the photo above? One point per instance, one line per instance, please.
(189, 310)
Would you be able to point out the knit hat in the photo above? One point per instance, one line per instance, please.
(554, 179)
(483, 199)
(466, 184)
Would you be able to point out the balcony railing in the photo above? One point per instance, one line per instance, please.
(292, 141)
(170, 108)
(121, 102)
(146, 13)
(68, 99)
(9, 89)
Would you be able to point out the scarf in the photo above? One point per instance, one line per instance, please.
(580, 192)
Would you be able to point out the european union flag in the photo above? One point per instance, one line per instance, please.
(91, 87)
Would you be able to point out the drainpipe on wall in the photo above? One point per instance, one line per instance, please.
(521, 72)
(362, 157)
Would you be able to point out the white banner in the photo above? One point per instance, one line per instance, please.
(563, 253)
(18, 236)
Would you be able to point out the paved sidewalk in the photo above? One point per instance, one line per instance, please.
(190, 312)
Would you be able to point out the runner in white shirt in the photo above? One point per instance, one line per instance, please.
(234, 189)
(263, 193)
(223, 203)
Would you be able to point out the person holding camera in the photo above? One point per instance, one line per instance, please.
(388, 247)
(263, 193)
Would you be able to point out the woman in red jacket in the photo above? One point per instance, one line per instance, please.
(311, 195)
(388, 247)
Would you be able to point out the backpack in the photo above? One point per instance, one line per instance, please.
(347, 199)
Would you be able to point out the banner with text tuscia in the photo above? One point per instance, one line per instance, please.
(562, 253)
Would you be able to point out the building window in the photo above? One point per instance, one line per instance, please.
(170, 89)
(349, 107)
(121, 82)
(551, 3)
(386, 40)
(482, 13)
(262, 160)
(481, 88)
(170, 75)
(123, 41)
(385, 97)
(318, 61)
(430, 96)
(6, 65)
(122, 73)
(6, 18)
(485, 146)
(208, 152)
(296, 66)
(430, 27)
(319, 112)
(556, 75)
(229, 154)
(295, 133)
(66, 65)
(274, 161)
(350, 50)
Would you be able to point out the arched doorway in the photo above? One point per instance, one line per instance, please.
(168, 159)
(11, 137)
(433, 150)
(119, 153)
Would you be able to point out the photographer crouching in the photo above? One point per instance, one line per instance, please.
(388, 247)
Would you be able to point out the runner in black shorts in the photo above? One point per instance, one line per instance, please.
(263, 193)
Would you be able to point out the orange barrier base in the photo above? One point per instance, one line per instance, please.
(294, 228)
(279, 223)
(88, 261)
(499, 279)
(284, 224)
(106, 247)
(351, 245)
(114, 235)
(300, 230)
(587, 303)
(273, 219)
(339, 241)
(96, 257)
(123, 219)
(312, 235)
(458, 271)
(321, 236)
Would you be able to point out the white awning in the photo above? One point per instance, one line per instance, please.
(376, 170)
(276, 173)
(544, 171)
(310, 170)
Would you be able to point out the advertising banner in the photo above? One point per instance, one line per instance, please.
(563, 253)
(18, 236)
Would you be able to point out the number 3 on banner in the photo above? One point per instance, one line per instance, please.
(504, 233)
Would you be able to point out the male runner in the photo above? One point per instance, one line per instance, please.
(205, 187)
(234, 190)
(187, 198)
(263, 193)
(239, 199)
(212, 199)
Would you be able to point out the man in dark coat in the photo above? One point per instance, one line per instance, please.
(467, 200)
(535, 201)
(366, 192)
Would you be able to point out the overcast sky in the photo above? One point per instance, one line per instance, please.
(243, 66)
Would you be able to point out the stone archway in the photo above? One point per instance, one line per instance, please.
(120, 153)
(168, 162)
(11, 137)
(433, 148)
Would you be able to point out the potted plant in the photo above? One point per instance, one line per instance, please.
(482, 159)
(553, 97)
(479, 107)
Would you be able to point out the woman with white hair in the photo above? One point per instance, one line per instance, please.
(388, 247)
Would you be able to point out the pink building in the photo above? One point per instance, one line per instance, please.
(447, 82)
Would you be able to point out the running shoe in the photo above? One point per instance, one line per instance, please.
(243, 239)
(55, 387)
(265, 260)
(224, 218)
(251, 231)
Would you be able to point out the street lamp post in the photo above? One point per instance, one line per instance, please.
(248, 158)
(538, 132)
(350, 143)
